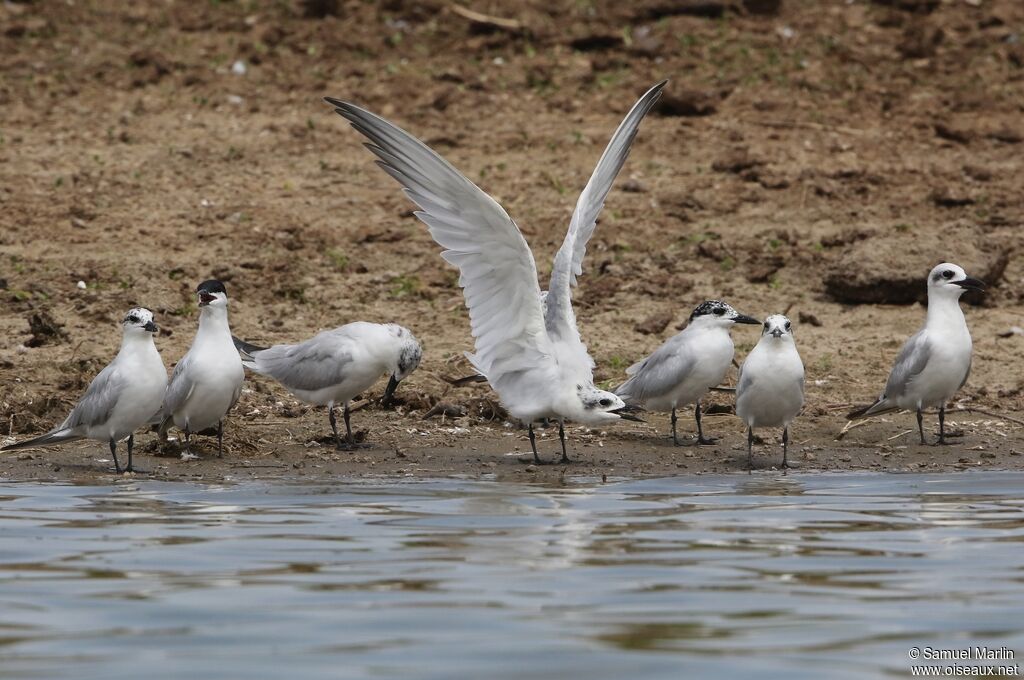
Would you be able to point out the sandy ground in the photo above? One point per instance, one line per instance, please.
(814, 163)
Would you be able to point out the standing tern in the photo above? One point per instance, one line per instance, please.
(770, 392)
(935, 362)
(207, 381)
(690, 363)
(530, 353)
(122, 397)
(335, 365)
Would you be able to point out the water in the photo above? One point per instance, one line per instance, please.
(808, 576)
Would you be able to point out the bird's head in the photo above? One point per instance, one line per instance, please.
(778, 327)
(212, 293)
(715, 313)
(407, 359)
(139, 321)
(950, 280)
(600, 406)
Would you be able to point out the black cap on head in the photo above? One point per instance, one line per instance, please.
(211, 286)
(709, 307)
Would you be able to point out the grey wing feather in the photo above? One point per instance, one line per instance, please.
(746, 380)
(911, 361)
(309, 365)
(657, 374)
(98, 401)
(970, 360)
(178, 389)
(559, 318)
(92, 409)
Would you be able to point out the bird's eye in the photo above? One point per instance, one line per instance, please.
(605, 402)
(133, 319)
(948, 274)
(789, 325)
(719, 311)
(766, 325)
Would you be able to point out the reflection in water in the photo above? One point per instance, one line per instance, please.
(798, 576)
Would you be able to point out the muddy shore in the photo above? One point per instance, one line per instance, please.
(812, 163)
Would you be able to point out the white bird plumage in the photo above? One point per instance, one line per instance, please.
(770, 391)
(207, 381)
(687, 365)
(122, 397)
(532, 355)
(936, 361)
(335, 365)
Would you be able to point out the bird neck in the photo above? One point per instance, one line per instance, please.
(134, 341)
(944, 310)
(214, 320)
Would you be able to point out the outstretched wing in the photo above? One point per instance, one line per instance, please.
(497, 270)
(559, 318)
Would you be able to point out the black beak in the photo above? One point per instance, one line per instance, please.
(972, 284)
(626, 413)
(151, 327)
(389, 391)
(776, 332)
(743, 318)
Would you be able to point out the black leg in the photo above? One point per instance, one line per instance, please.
(750, 449)
(700, 431)
(942, 426)
(349, 443)
(920, 425)
(533, 444)
(131, 445)
(334, 426)
(785, 447)
(113, 452)
(561, 438)
(348, 427)
(220, 438)
(675, 438)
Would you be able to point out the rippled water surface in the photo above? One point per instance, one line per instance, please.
(816, 576)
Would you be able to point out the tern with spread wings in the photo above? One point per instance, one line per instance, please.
(531, 354)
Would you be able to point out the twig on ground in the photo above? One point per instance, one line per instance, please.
(971, 409)
(849, 426)
(486, 19)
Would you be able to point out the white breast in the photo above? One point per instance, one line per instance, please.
(141, 396)
(772, 382)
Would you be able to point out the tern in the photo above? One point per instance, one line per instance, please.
(335, 365)
(770, 391)
(935, 362)
(687, 365)
(207, 381)
(531, 354)
(122, 397)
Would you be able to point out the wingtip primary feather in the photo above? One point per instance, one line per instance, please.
(54, 437)
(872, 409)
(246, 347)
